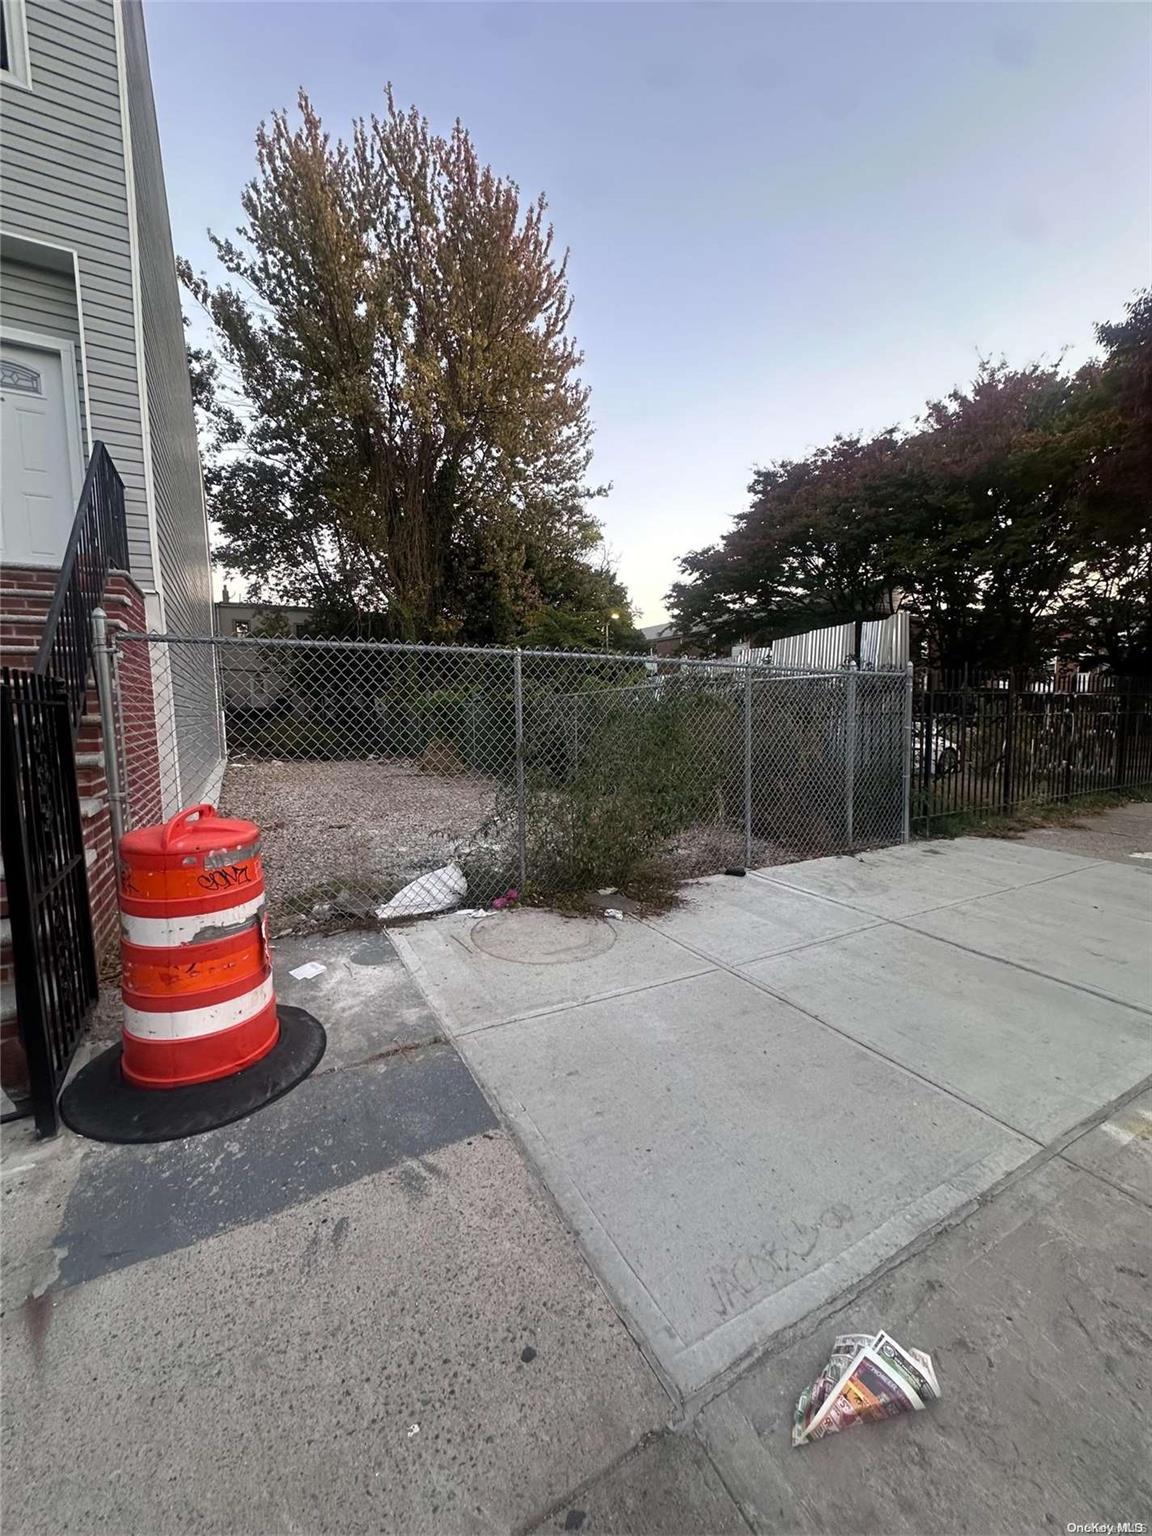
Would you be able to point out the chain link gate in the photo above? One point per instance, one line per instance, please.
(480, 771)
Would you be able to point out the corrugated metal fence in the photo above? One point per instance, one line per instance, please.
(877, 645)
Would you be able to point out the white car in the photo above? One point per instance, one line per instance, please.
(941, 750)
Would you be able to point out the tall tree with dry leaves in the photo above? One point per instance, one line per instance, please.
(398, 431)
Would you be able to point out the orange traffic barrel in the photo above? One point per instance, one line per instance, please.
(197, 983)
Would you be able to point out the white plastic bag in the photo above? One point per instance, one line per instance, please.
(438, 892)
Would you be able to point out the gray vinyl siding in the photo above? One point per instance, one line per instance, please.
(65, 183)
(180, 528)
(36, 299)
(181, 531)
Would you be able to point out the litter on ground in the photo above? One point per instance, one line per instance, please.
(868, 1377)
(309, 969)
(437, 892)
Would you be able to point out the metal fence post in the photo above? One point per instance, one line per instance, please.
(102, 652)
(1011, 706)
(906, 777)
(1120, 738)
(1069, 733)
(850, 755)
(748, 766)
(521, 806)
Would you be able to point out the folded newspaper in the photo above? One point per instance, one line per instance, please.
(868, 1376)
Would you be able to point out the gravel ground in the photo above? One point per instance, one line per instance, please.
(339, 838)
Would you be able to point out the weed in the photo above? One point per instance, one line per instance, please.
(1026, 817)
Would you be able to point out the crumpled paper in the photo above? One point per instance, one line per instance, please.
(869, 1376)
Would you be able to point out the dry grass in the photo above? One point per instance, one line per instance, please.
(1028, 818)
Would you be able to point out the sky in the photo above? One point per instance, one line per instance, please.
(785, 220)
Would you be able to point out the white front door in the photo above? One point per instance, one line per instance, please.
(37, 491)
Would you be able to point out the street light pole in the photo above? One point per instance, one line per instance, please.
(608, 621)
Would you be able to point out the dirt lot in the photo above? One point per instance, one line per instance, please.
(341, 837)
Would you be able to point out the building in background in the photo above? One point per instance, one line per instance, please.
(255, 677)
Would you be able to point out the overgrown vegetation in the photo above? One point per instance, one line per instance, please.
(641, 764)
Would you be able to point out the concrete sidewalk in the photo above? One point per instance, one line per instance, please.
(747, 1106)
(1035, 1309)
(355, 1311)
(898, 1090)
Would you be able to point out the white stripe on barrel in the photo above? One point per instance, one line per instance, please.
(185, 1023)
(201, 927)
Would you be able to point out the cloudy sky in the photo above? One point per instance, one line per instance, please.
(785, 220)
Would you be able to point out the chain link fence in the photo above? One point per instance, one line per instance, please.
(391, 780)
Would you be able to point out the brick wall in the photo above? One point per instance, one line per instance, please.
(25, 597)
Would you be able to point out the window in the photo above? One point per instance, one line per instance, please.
(14, 43)
(15, 376)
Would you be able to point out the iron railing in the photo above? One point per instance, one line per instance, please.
(98, 545)
(988, 743)
(46, 882)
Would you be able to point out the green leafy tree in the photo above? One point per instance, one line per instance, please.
(1107, 609)
(1011, 520)
(810, 549)
(984, 540)
(398, 434)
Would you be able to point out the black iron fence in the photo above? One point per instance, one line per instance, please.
(1001, 742)
(46, 881)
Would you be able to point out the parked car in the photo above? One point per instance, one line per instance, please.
(937, 753)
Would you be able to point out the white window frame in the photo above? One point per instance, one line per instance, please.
(19, 71)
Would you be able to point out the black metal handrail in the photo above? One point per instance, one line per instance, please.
(42, 840)
(98, 544)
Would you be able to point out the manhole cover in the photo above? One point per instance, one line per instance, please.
(541, 938)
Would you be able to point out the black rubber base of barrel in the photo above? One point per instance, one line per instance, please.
(101, 1103)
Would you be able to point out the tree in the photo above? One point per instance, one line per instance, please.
(986, 541)
(1107, 609)
(807, 551)
(596, 609)
(409, 438)
(1011, 520)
